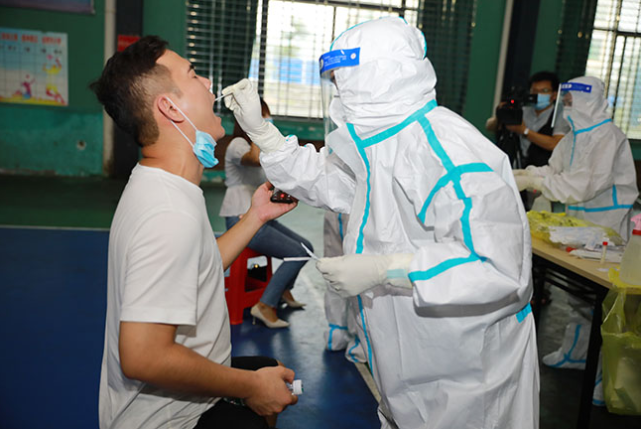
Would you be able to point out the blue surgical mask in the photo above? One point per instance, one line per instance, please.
(205, 144)
(542, 101)
(269, 119)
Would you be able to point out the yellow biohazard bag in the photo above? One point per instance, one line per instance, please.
(621, 332)
(540, 223)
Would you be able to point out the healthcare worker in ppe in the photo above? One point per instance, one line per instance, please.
(437, 250)
(592, 172)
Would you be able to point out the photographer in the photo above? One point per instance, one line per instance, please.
(536, 125)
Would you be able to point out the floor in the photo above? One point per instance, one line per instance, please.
(52, 305)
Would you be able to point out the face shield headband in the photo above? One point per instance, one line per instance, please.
(565, 96)
(333, 115)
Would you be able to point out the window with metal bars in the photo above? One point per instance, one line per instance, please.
(277, 43)
(614, 57)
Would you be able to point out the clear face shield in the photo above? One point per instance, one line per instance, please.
(565, 94)
(333, 114)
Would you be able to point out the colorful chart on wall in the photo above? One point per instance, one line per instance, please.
(76, 6)
(33, 67)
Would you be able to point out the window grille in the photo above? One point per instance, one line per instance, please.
(277, 44)
(614, 57)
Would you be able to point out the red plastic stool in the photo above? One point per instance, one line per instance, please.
(242, 290)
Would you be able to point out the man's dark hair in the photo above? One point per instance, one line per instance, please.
(128, 85)
(545, 75)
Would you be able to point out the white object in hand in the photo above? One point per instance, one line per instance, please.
(302, 258)
(296, 387)
(245, 104)
(309, 252)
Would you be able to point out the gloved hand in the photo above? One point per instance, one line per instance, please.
(521, 173)
(245, 103)
(351, 275)
(528, 182)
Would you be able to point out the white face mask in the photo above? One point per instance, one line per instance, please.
(205, 144)
(337, 112)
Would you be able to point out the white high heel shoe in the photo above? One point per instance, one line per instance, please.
(257, 314)
(292, 303)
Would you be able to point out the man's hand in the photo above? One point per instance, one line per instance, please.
(351, 275)
(245, 103)
(519, 129)
(266, 210)
(271, 395)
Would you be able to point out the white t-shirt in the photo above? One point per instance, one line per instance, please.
(535, 123)
(164, 267)
(241, 180)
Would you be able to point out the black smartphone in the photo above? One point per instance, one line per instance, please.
(281, 197)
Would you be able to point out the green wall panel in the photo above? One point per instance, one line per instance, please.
(166, 19)
(50, 141)
(47, 140)
(484, 58)
(546, 42)
(636, 149)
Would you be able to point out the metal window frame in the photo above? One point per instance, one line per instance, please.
(614, 33)
(197, 37)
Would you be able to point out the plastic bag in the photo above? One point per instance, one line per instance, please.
(540, 223)
(621, 332)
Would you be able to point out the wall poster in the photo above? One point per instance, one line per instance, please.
(33, 67)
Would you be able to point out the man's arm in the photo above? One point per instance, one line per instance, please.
(148, 353)
(542, 140)
(261, 211)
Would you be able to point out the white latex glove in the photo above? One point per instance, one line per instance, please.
(529, 183)
(535, 171)
(521, 173)
(245, 103)
(351, 275)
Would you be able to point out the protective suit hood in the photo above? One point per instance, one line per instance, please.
(588, 109)
(394, 77)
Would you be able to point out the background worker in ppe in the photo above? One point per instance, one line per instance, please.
(437, 250)
(592, 172)
(340, 311)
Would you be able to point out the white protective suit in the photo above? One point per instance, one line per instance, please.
(339, 311)
(458, 350)
(591, 171)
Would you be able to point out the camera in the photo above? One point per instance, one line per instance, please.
(510, 112)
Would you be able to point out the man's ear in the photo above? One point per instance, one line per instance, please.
(168, 108)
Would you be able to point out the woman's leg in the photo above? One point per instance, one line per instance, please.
(275, 240)
(288, 232)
